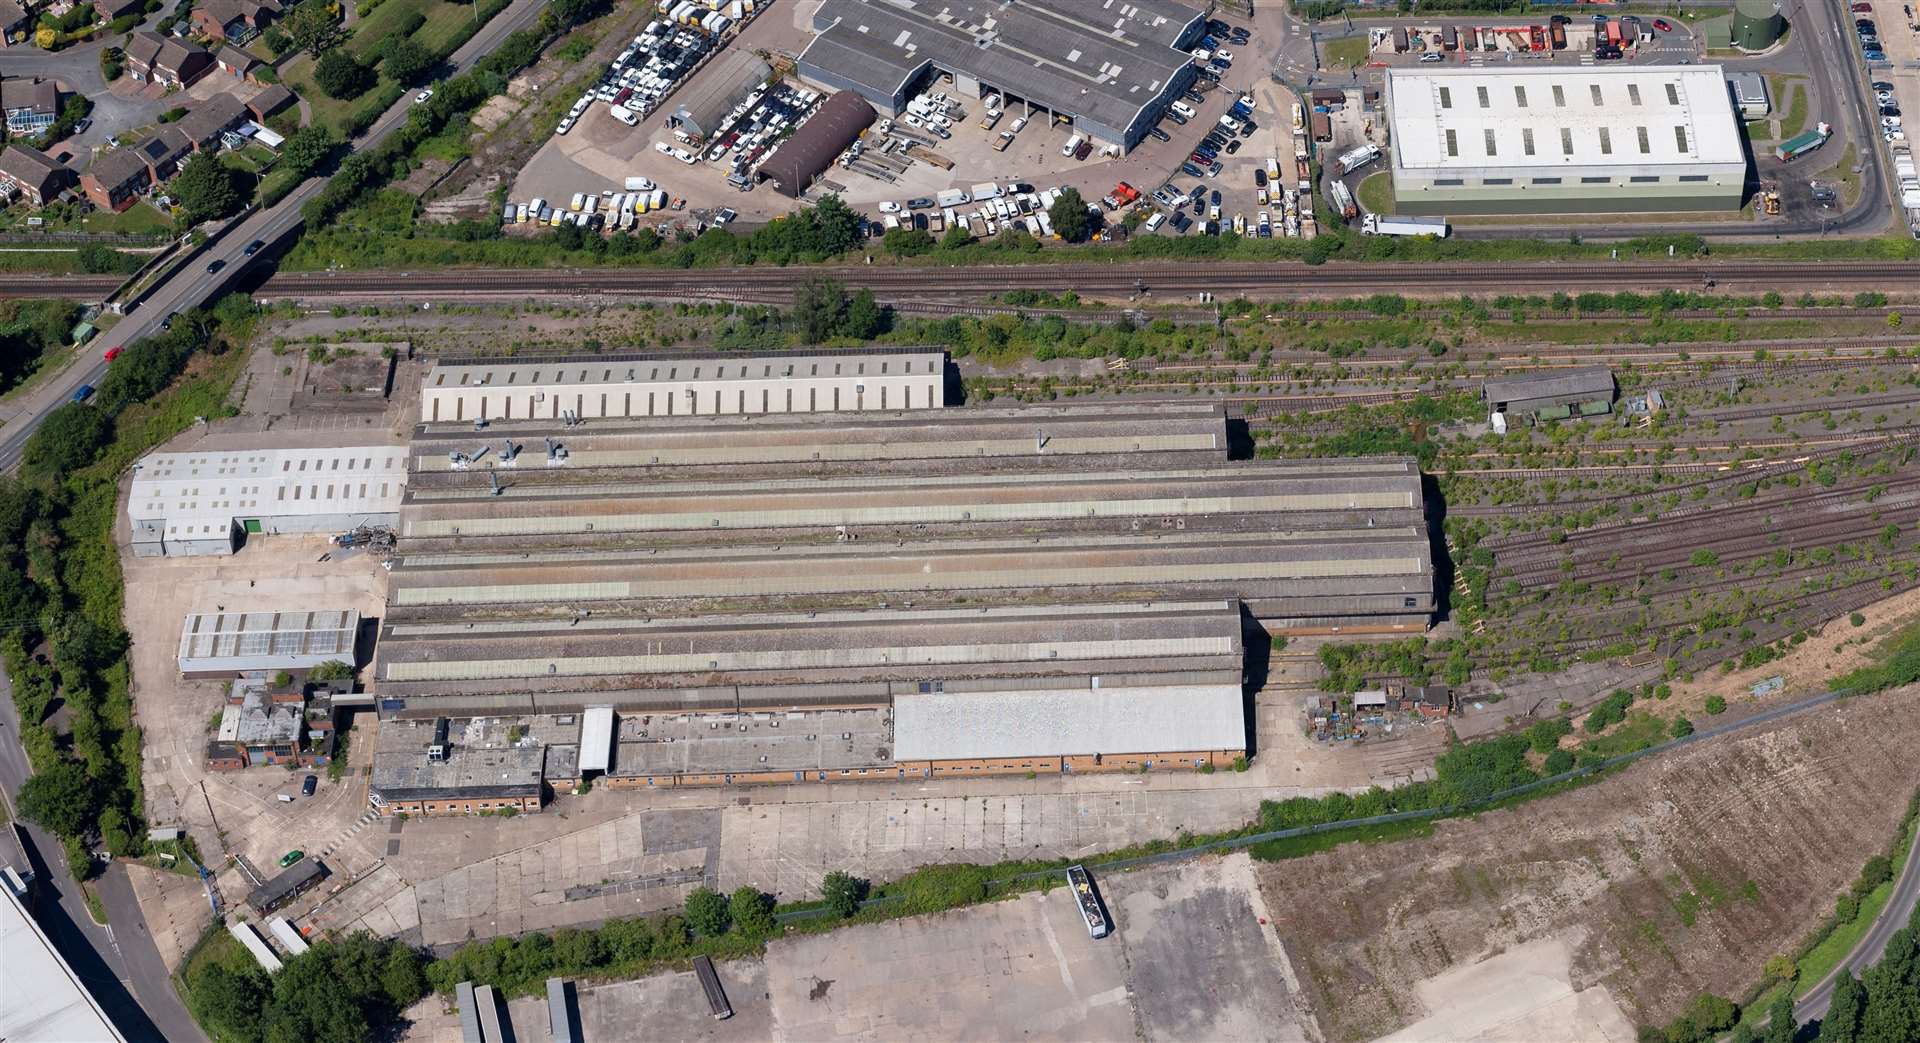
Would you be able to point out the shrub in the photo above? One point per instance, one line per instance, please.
(1611, 711)
(843, 892)
(1545, 735)
(1682, 727)
(1857, 619)
(751, 912)
(707, 912)
(1716, 705)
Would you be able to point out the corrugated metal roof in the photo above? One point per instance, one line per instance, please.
(1587, 382)
(1041, 722)
(812, 148)
(198, 488)
(230, 635)
(596, 738)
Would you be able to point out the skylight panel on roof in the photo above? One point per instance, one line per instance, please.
(901, 40)
(1073, 55)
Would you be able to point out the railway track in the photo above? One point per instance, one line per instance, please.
(1154, 279)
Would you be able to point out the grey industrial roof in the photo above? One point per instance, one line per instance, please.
(713, 446)
(1587, 382)
(715, 744)
(1182, 718)
(721, 86)
(718, 650)
(510, 771)
(226, 635)
(278, 888)
(824, 503)
(812, 148)
(1103, 59)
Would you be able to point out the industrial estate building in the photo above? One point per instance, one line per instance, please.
(1621, 138)
(228, 644)
(737, 598)
(42, 998)
(209, 501)
(1108, 67)
(798, 161)
(684, 385)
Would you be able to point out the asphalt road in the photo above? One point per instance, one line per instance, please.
(1906, 892)
(120, 965)
(194, 285)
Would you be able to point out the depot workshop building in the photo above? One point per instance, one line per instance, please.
(1108, 67)
(1594, 139)
(208, 501)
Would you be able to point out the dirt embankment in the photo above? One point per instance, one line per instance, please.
(1679, 876)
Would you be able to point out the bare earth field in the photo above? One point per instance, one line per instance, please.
(1679, 876)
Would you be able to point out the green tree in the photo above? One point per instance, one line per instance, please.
(207, 189)
(1544, 736)
(66, 440)
(1845, 1010)
(1877, 871)
(402, 977)
(838, 226)
(228, 1003)
(819, 306)
(340, 75)
(955, 237)
(62, 798)
(405, 60)
(306, 150)
(1893, 989)
(865, 319)
(1069, 215)
(752, 912)
(95, 259)
(313, 28)
(844, 892)
(576, 951)
(312, 1003)
(1780, 1024)
(707, 912)
(331, 670)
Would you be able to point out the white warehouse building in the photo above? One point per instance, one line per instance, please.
(590, 386)
(1610, 139)
(206, 501)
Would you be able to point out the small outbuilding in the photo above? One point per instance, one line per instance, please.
(1576, 392)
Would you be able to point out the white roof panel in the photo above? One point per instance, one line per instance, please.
(1055, 722)
(1540, 120)
(596, 738)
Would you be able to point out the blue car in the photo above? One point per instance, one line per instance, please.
(83, 392)
(1875, 56)
(1192, 171)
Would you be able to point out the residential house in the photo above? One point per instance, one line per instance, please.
(30, 105)
(16, 23)
(115, 179)
(33, 174)
(268, 102)
(112, 9)
(163, 152)
(235, 21)
(152, 58)
(237, 63)
(211, 118)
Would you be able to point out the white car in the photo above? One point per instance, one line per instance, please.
(565, 125)
(423, 96)
(725, 215)
(663, 148)
(889, 207)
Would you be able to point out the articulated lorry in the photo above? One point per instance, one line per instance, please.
(1387, 224)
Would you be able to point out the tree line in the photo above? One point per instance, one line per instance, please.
(61, 636)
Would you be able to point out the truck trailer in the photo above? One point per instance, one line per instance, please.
(1803, 143)
(1342, 198)
(1387, 224)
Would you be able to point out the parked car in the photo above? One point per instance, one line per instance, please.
(423, 96)
(1662, 25)
(1882, 85)
(1215, 197)
(1889, 110)
(1874, 56)
(1158, 134)
(1431, 58)
(1233, 146)
(1862, 8)
(81, 126)
(1192, 171)
(1259, 177)
(889, 207)
(291, 857)
(308, 785)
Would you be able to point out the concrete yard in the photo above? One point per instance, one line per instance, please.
(1194, 957)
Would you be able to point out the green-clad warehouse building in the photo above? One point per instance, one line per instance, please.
(1619, 139)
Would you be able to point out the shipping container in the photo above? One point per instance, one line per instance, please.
(1450, 38)
(1399, 39)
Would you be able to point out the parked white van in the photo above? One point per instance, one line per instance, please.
(1072, 144)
